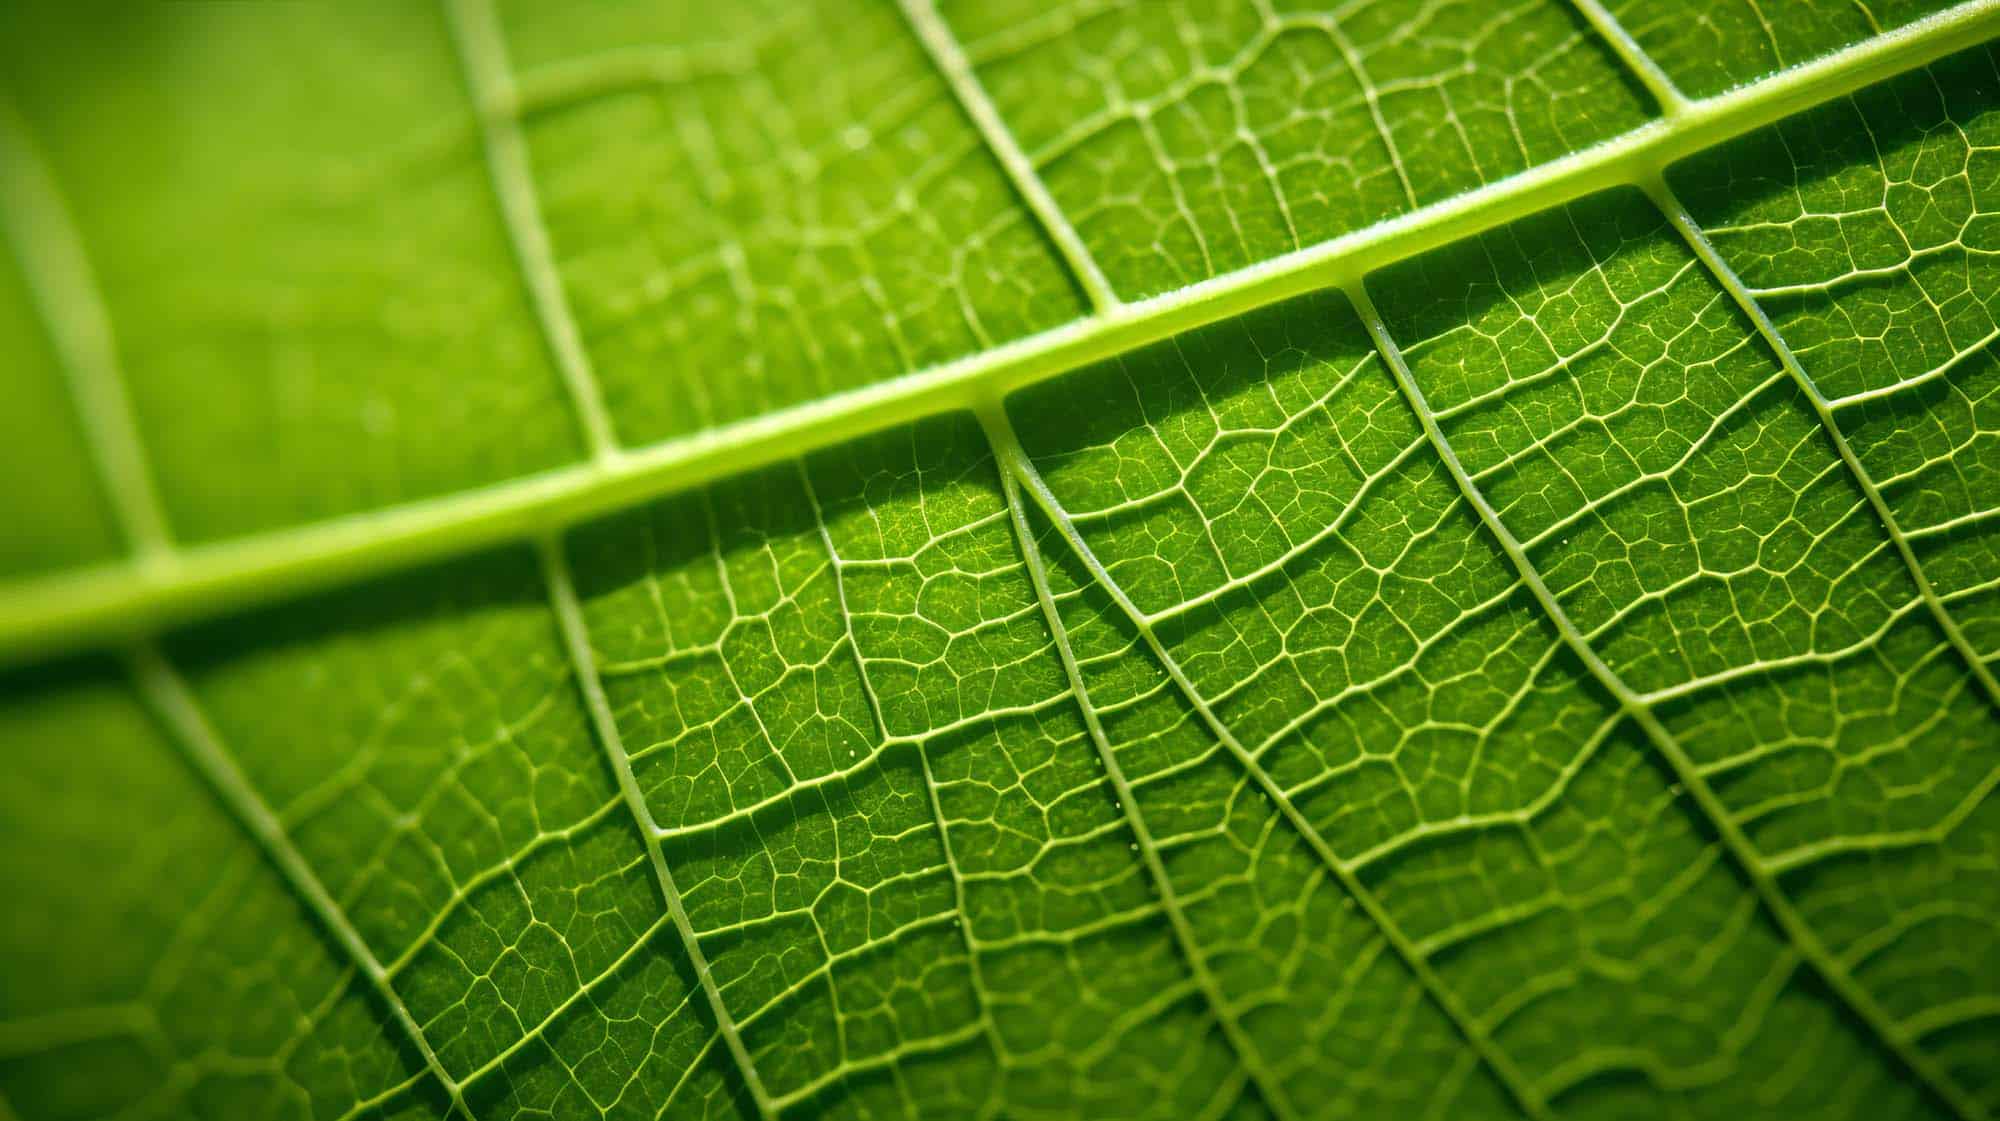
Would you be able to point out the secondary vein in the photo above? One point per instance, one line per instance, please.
(1691, 777)
(1666, 94)
(483, 56)
(1247, 1056)
(1684, 223)
(1014, 461)
(576, 640)
(945, 54)
(65, 296)
(197, 742)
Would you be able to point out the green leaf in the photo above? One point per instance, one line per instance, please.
(985, 560)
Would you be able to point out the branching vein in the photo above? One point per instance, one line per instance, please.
(576, 639)
(190, 732)
(1863, 1004)
(483, 55)
(51, 255)
(1247, 1055)
(1015, 462)
(1684, 224)
(949, 58)
(126, 601)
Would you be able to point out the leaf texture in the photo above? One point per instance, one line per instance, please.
(915, 560)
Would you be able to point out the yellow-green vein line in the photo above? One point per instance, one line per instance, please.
(125, 601)
(189, 730)
(1013, 458)
(998, 432)
(583, 660)
(482, 54)
(1857, 999)
(945, 54)
(1697, 240)
(64, 292)
(1665, 93)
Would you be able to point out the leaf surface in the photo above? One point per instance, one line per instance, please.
(869, 560)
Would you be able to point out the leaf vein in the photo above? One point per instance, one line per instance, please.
(1015, 461)
(1762, 879)
(576, 639)
(129, 600)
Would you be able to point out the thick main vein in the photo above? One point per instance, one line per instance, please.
(583, 660)
(1000, 434)
(127, 600)
(1748, 859)
(1014, 462)
(198, 743)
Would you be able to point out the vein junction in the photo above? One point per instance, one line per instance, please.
(126, 601)
(1496, 678)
